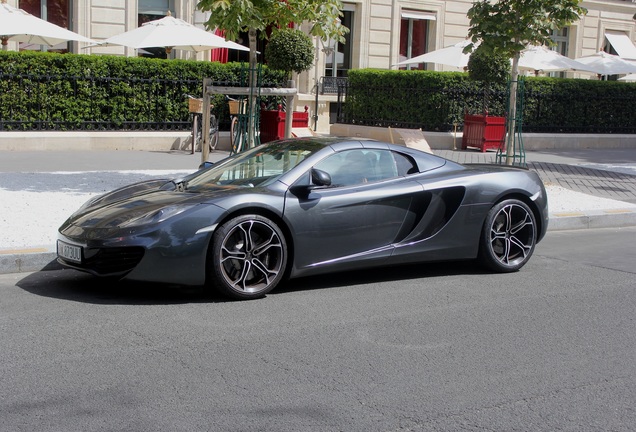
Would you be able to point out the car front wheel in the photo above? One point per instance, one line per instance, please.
(248, 257)
(508, 236)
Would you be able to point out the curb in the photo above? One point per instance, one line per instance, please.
(27, 260)
(592, 219)
(44, 258)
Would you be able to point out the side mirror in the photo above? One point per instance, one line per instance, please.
(320, 178)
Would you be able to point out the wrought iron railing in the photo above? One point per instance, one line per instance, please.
(442, 109)
(44, 102)
(331, 84)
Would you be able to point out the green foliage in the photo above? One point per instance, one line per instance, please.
(436, 101)
(510, 25)
(289, 50)
(488, 66)
(575, 105)
(236, 16)
(417, 99)
(69, 92)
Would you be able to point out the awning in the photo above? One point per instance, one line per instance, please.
(418, 15)
(622, 44)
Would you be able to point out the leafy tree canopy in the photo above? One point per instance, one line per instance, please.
(510, 25)
(235, 16)
(488, 66)
(290, 50)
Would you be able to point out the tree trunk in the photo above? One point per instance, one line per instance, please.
(252, 82)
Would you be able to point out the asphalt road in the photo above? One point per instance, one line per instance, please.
(432, 347)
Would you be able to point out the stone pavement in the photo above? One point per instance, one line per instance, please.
(607, 173)
(583, 174)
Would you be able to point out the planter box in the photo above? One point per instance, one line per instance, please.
(483, 131)
(273, 123)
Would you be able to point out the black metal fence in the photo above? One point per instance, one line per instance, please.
(41, 102)
(443, 109)
(570, 112)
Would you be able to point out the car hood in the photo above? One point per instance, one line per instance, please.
(120, 206)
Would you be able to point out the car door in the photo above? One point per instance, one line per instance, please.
(359, 216)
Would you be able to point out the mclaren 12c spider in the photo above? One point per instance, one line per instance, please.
(307, 206)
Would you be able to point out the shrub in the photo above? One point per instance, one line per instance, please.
(289, 50)
(71, 91)
(435, 101)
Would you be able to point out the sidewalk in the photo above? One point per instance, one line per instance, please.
(588, 188)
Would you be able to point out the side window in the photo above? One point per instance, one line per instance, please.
(405, 165)
(347, 168)
(352, 167)
(391, 165)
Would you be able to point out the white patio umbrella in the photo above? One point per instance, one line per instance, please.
(452, 55)
(543, 59)
(20, 26)
(603, 63)
(171, 33)
(630, 77)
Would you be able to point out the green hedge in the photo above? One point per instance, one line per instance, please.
(579, 105)
(67, 91)
(436, 101)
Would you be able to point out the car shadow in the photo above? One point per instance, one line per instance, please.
(57, 282)
(381, 274)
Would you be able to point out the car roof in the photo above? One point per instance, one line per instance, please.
(424, 161)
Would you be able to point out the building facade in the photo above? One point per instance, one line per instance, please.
(383, 32)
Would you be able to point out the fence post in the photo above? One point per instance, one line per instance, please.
(289, 115)
(205, 129)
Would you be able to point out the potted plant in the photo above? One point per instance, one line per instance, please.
(482, 130)
(289, 50)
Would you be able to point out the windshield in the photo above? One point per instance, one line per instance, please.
(260, 166)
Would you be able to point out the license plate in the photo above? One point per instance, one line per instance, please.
(69, 252)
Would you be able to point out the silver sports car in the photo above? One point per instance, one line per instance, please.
(301, 207)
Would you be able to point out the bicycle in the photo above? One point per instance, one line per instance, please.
(236, 108)
(195, 106)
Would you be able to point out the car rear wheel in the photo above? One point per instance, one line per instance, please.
(248, 257)
(508, 236)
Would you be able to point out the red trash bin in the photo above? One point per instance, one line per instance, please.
(273, 123)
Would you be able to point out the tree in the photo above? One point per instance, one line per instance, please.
(235, 16)
(488, 67)
(507, 26)
(289, 50)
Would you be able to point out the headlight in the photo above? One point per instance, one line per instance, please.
(156, 216)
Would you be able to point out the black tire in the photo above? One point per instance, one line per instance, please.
(214, 133)
(508, 237)
(234, 144)
(248, 257)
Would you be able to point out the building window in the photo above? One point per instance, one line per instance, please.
(53, 11)
(560, 38)
(414, 28)
(342, 53)
(151, 10)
